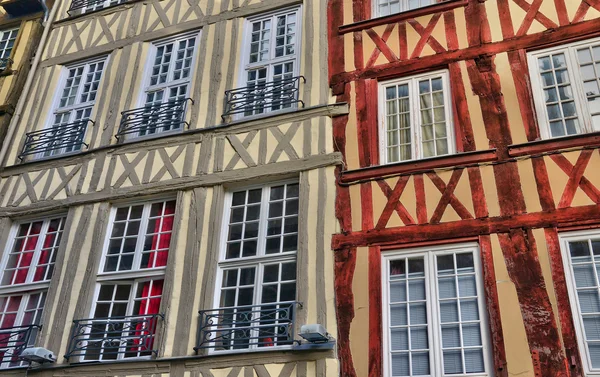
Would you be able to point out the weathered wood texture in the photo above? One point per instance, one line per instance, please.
(504, 181)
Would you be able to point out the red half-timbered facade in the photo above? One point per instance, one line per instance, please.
(473, 135)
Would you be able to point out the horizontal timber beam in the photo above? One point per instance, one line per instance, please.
(275, 170)
(547, 38)
(467, 228)
(410, 167)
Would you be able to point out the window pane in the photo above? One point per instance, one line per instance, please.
(33, 253)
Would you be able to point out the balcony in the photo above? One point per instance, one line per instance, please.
(113, 338)
(13, 341)
(153, 119)
(262, 98)
(248, 327)
(82, 6)
(55, 140)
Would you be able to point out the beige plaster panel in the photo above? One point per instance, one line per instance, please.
(356, 198)
(558, 178)
(544, 257)
(352, 143)
(479, 134)
(359, 329)
(518, 357)
(592, 14)
(491, 193)
(511, 101)
(529, 186)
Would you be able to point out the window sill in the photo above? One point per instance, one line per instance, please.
(557, 143)
(409, 167)
(397, 17)
(240, 358)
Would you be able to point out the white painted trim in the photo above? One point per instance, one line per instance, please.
(429, 255)
(260, 260)
(415, 115)
(403, 8)
(245, 65)
(29, 284)
(147, 73)
(570, 53)
(564, 239)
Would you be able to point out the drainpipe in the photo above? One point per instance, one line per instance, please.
(46, 10)
(47, 23)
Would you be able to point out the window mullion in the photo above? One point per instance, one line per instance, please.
(434, 329)
(574, 71)
(141, 238)
(262, 221)
(37, 252)
(415, 118)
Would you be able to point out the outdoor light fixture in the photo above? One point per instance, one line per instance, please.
(38, 355)
(315, 333)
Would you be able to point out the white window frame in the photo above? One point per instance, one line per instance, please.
(132, 277)
(245, 61)
(102, 5)
(29, 284)
(403, 7)
(429, 254)
(72, 109)
(584, 117)
(135, 272)
(260, 260)
(146, 87)
(29, 287)
(10, 52)
(415, 116)
(564, 239)
(25, 297)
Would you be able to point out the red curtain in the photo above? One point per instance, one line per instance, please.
(51, 234)
(160, 242)
(27, 251)
(152, 293)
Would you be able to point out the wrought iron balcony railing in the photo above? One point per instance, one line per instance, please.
(56, 140)
(81, 6)
(113, 338)
(245, 327)
(264, 97)
(153, 119)
(13, 340)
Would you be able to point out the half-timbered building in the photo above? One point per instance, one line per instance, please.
(167, 200)
(468, 197)
(21, 28)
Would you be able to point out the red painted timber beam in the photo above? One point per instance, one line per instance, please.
(547, 38)
(466, 228)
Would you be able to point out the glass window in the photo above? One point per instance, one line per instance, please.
(271, 62)
(415, 118)
(140, 236)
(7, 42)
(434, 306)
(566, 84)
(27, 268)
(77, 96)
(258, 269)
(127, 302)
(168, 85)
(582, 260)
(387, 7)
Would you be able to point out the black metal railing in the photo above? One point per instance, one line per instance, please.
(152, 119)
(113, 338)
(265, 97)
(13, 340)
(251, 326)
(56, 139)
(79, 6)
(5, 64)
